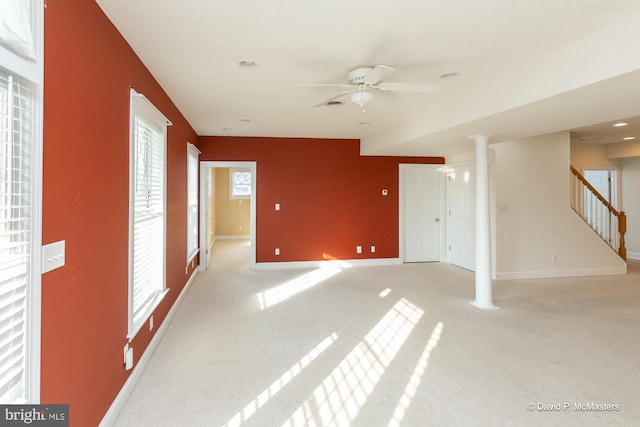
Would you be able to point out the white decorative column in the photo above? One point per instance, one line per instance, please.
(484, 298)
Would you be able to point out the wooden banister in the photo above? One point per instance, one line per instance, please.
(621, 216)
(622, 228)
(594, 191)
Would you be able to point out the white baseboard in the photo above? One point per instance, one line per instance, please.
(633, 255)
(318, 264)
(238, 237)
(515, 275)
(116, 407)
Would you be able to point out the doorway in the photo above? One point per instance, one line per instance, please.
(207, 234)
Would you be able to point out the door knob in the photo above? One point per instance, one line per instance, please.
(437, 219)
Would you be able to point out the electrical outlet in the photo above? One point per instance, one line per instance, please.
(151, 323)
(277, 251)
(373, 248)
(277, 206)
(358, 249)
(128, 357)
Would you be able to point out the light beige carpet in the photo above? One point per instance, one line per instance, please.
(393, 345)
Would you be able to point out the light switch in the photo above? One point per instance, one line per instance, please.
(385, 192)
(277, 206)
(53, 256)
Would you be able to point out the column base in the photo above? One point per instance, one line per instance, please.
(481, 306)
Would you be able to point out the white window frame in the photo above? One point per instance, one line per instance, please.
(232, 187)
(154, 286)
(30, 67)
(192, 201)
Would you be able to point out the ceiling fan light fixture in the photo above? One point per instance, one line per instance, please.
(361, 97)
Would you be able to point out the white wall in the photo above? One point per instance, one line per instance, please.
(534, 221)
(631, 204)
(591, 156)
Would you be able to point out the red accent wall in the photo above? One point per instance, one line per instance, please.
(330, 196)
(89, 69)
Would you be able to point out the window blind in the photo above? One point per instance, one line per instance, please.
(16, 30)
(147, 246)
(16, 196)
(192, 201)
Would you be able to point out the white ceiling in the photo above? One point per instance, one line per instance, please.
(525, 67)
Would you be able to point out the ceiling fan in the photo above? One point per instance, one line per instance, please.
(362, 80)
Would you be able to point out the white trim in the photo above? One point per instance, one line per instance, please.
(117, 405)
(34, 72)
(139, 105)
(34, 359)
(140, 320)
(204, 170)
(192, 150)
(318, 264)
(633, 255)
(148, 105)
(605, 271)
(232, 194)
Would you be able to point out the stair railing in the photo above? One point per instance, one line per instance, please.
(603, 218)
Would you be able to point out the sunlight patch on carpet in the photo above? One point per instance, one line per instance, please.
(338, 400)
(283, 292)
(253, 406)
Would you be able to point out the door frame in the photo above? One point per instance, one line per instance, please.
(205, 205)
(438, 168)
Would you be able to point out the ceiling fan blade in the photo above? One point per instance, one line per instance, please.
(380, 102)
(377, 74)
(326, 85)
(410, 87)
(340, 95)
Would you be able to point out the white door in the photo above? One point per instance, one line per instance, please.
(460, 214)
(421, 222)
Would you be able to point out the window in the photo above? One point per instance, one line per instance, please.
(147, 211)
(192, 201)
(240, 183)
(20, 199)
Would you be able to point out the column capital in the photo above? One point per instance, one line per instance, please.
(481, 137)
